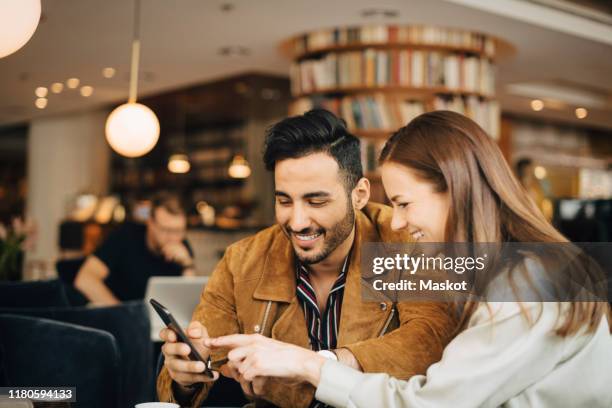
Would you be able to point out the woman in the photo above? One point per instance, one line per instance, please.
(447, 181)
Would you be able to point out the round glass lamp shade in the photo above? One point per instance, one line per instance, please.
(239, 168)
(132, 129)
(179, 163)
(18, 21)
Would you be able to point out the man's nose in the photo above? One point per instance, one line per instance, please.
(299, 219)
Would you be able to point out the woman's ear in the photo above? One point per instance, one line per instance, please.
(361, 193)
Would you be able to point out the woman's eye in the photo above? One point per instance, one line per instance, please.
(402, 205)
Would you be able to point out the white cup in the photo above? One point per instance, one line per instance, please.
(157, 405)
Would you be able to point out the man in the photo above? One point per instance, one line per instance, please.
(299, 281)
(120, 268)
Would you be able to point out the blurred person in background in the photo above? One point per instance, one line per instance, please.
(538, 190)
(120, 267)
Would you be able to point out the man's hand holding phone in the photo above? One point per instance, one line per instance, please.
(182, 370)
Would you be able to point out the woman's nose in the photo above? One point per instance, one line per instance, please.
(398, 222)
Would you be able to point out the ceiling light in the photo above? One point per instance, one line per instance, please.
(581, 113)
(41, 92)
(86, 91)
(73, 83)
(239, 168)
(537, 105)
(57, 87)
(18, 22)
(179, 163)
(132, 129)
(108, 72)
(41, 103)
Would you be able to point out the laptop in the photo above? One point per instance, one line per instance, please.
(179, 294)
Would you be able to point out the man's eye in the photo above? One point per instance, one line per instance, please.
(402, 205)
(318, 203)
(284, 202)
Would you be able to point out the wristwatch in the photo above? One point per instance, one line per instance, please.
(328, 354)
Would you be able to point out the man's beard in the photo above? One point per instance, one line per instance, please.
(334, 236)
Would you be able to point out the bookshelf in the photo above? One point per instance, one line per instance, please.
(378, 78)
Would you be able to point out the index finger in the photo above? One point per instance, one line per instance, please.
(232, 341)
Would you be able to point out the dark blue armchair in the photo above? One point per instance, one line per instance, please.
(48, 353)
(35, 294)
(129, 325)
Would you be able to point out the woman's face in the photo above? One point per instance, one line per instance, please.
(416, 206)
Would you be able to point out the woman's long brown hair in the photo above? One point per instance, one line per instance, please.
(488, 204)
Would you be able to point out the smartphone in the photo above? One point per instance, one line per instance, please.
(173, 325)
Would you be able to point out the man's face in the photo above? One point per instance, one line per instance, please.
(165, 228)
(312, 205)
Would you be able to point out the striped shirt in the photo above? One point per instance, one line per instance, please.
(322, 327)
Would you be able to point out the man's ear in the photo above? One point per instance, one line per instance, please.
(361, 193)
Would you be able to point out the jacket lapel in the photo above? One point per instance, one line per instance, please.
(277, 282)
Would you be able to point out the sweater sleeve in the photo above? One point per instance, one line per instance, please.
(496, 357)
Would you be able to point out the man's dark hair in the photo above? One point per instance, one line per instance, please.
(315, 131)
(168, 202)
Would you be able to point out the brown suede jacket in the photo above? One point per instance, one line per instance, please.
(252, 290)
